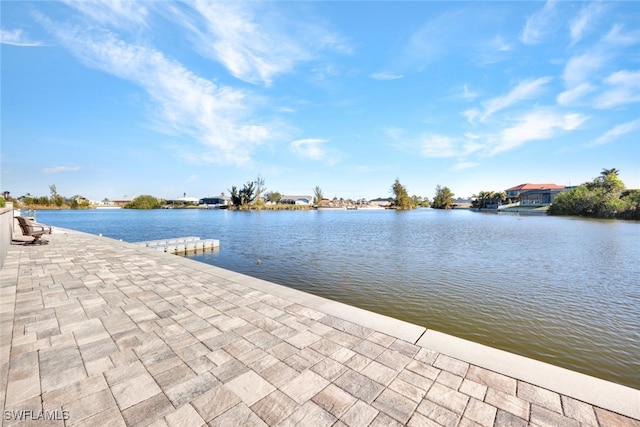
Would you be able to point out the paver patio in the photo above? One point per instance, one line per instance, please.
(100, 332)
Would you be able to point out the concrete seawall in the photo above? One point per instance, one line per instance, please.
(104, 331)
(6, 230)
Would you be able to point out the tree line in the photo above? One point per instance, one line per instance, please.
(603, 197)
(53, 201)
(443, 199)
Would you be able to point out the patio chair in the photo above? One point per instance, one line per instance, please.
(33, 229)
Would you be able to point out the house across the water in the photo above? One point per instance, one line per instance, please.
(535, 194)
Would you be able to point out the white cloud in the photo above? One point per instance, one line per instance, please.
(623, 88)
(586, 16)
(538, 125)
(310, 148)
(580, 68)
(433, 145)
(438, 146)
(583, 73)
(525, 90)
(17, 38)
(539, 24)
(61, 169)
(616, 132)
(384, 75)
(573, 95)
(184, 104)
(254, 41)
(116, 13)
(472, 114)
(617, 37)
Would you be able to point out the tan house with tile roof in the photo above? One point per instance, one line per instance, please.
(535, 194)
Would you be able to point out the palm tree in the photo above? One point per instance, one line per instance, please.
(485, 196)
(607, 172)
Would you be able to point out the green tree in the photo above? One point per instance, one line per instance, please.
(631, 199)
(144, 202)
(608, 182)
(600, 198)
(443, 199)
(235, 197)
(273, 196)
(241, 199)
(56, 198)
(401, 199)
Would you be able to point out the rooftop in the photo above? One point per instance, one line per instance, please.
(529, 186)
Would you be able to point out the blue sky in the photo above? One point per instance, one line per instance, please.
(113, 98)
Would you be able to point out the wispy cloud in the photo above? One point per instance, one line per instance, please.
(385, 75)
(493, 51)
(524, 90)
(310, 148)
(61, 169)
(584, 73)
(184, 104)
(432, 145)
(540, 124)
(622, 87)
(255, 41)
(580, 68)
(572, 95)
(17, 38)
(581, 23)
(535, 125)
(438, 146)
(539, 24)
(467, 94)
(618, 37)
(315, 149)
(115, 13)
(616, 132)
(499, 44)
(437, 38)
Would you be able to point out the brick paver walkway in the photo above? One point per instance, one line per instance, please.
(99, 332)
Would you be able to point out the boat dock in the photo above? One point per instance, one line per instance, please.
(96, 331)
(181, 245)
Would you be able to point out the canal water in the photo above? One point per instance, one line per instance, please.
(561, 290)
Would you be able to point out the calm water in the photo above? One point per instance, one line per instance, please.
(562, 290)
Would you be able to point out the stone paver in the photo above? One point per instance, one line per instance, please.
(112, 334)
